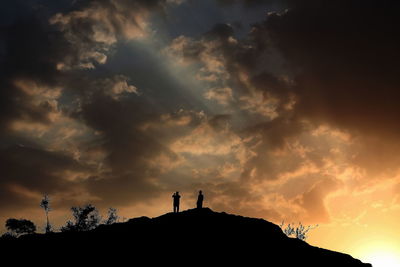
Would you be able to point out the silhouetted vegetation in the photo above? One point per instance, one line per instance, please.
(198, 236)
(45, 204)
(86, 218)
(7, 236)
(299, 232)
(112, 216)
(20, 226)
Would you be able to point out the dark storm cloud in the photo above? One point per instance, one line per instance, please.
(34, 170)
(223, 31)
(131, 147)
(252, 57)
(274, 136)
(93, 27)
(249, 2)
(31, 51)
(337, 62)
(220, 122)
(118, 123)
(38, 54)
(318, 62)
(342, 58)
(344, 55)
(341, 55)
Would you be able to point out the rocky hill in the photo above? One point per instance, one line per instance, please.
(190, 238)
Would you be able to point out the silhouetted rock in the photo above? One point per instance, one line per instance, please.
(189, 238)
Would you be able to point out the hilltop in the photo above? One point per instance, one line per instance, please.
(192, 237)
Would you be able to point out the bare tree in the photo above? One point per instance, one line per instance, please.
(299, 232)
(45, 204)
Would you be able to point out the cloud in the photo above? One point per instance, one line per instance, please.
(54, 141)
(205, 139)
(237, 70)
(189, 50)
(116, 87)
(222, 95)
(51, 101)
(271, 123)
(343, 56)
(95, 26)
(28, 171)
(313, 200)
(249, 3)
(307, 64)
(29, 44)
(282, 91)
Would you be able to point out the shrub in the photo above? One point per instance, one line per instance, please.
(8, 236)
(21, 226)
(112, 216)
(86, 218)
(299, 232)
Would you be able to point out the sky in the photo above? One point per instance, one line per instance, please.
(278, 109)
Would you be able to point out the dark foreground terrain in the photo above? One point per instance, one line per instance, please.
(190, 238)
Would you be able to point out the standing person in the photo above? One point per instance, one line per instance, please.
(176, 198)
(200, 199)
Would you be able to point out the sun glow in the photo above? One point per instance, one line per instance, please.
(383, 259)
(378, 251)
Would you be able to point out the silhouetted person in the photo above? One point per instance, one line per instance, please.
(200, 199)
(176, 198)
